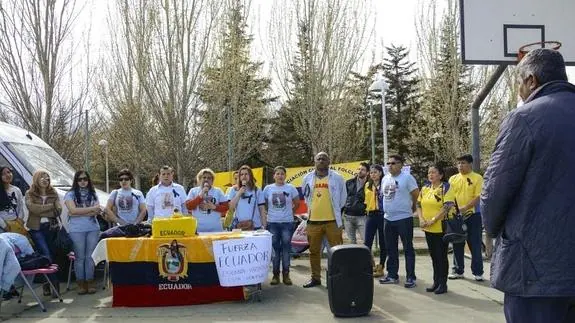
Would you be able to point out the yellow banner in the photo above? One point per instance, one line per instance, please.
(225, 180)
(295, 175)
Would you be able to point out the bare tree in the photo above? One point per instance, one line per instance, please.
(157, 70)
(446, 112)
(325, 40)
(44, 85)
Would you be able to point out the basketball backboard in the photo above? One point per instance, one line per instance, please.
(493, 30)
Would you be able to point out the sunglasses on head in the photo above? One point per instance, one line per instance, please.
(82, 179)
(124, 179)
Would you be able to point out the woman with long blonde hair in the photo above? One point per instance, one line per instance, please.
(207, 203)
(44, 208)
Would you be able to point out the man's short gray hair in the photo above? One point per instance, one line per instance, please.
(545, 64)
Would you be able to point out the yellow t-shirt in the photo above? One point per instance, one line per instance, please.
(466, 188)
(321, 209)
(432, 200)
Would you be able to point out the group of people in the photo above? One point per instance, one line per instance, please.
(526, 203)
(385, 204)
(44, 209)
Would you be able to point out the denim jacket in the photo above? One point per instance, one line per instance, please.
(337, 192)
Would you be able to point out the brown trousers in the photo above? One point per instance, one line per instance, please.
(315, 235)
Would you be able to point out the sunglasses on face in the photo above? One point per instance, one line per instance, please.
(392, 163)
(124, 179)
(82, 179)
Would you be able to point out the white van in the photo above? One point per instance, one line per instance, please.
(25, 153)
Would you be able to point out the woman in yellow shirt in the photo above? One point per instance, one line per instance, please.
(374, 209)
(433, 203)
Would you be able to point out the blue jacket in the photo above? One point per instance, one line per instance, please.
(528, 196)
(337, 192)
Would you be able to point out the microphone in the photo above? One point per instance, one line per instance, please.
(206, 186)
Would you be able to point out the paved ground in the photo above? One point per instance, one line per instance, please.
(466, 301)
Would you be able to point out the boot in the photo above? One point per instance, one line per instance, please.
(287, 281)
(82, 289)
(275, 280)
(46, 289)
(378, 272)
(91, 286)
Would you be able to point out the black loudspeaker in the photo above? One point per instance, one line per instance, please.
(350, 280)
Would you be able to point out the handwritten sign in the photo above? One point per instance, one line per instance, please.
(244, 261)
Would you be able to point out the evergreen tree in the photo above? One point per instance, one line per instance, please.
(233, 87)
(444, 120)
(401, 97)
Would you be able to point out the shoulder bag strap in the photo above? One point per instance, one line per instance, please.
(255, 203)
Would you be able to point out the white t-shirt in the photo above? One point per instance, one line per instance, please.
(208, 220)
(17, 201)
(127, 203)
(162, 200)
(245, 208)
(397, 200)
(279, 201)
(44, 219)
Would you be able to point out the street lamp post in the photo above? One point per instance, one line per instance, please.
(379, 87)
(104, 143)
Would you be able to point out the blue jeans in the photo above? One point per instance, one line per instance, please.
(84, 245)
(41, 244)
(400, 229)
(373, 225)
(281, 243)
(474, 241)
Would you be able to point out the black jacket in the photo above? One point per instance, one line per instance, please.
(527, 198)
(355, 202)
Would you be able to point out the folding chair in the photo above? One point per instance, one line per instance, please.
(41, 271)
(72, 259)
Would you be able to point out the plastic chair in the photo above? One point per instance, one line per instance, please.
(41, 271)
(72, 259)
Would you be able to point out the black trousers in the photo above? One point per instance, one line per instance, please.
(539, 309)
(438, 252)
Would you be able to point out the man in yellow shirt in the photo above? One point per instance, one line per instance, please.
(467, 188)
(325, 194)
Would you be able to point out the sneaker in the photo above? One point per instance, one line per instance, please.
(479, 278)
(388, 280)
(455, 276)
(409, 283)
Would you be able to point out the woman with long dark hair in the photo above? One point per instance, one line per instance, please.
(247, 203)
(11, 203)
(374, 222)
(43, 208)
(83, 208)
(433, 203)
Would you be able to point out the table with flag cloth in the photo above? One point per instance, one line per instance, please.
(146, 271)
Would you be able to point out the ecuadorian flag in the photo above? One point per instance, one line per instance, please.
(167, 271)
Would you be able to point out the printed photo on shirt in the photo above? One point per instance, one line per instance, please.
(125, 203)
(279, 200)
(389, 190)
(167, 201)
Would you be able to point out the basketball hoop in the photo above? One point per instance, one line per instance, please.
(523, 50)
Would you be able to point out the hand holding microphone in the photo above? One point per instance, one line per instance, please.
(206, 188)
(243, 188)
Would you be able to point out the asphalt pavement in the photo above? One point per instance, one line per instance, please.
(466, 301)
